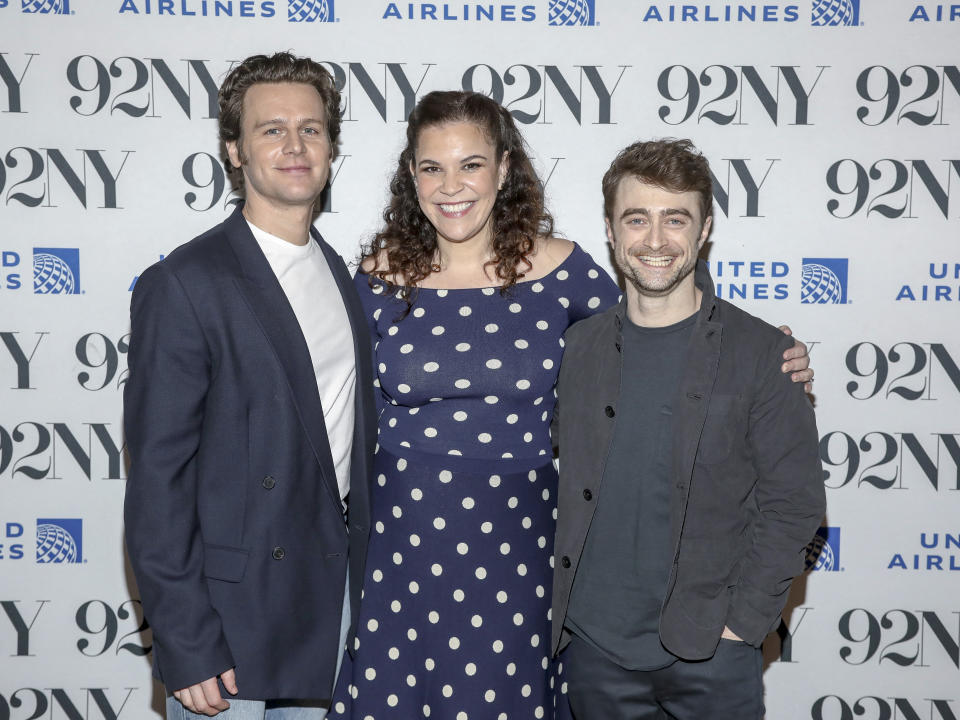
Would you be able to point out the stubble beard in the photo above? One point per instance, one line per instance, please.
(660, 288)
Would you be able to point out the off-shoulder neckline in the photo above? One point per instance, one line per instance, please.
(519, 283)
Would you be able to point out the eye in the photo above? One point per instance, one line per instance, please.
(430, 169)
(311, 131)
(272, 131)
(472, 166)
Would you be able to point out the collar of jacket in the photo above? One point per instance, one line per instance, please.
(707, 313)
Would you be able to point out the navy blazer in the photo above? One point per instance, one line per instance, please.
(234, 523)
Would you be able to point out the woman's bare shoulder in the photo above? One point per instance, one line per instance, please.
(549, 253)
(375, 263)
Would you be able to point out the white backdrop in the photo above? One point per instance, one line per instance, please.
(837, 158)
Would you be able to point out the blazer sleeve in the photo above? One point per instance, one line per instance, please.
(164, 397)
(790, 496)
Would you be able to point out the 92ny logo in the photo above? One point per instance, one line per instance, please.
(38, 451)
(49, 175)
(72, 703)
(891, 188)
(918, 94)
(907, 370)
(890, 460)
(120, 628)
(103, 360)
(744, 94)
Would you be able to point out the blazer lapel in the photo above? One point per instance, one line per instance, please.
(268, 303)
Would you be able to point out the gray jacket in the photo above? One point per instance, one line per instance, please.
(747, 481)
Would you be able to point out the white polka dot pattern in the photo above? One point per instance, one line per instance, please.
(479, 354)
(455, 619)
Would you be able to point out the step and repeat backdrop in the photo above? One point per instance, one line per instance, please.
(833, 131)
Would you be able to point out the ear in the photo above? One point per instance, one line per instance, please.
(413, 173)
(609, 227)
(233, 153)
(705, 232)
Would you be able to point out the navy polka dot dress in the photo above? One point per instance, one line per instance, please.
(455, 618)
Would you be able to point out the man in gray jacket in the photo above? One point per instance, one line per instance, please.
(690, 482)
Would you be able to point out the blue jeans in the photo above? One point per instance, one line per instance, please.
(267, 710)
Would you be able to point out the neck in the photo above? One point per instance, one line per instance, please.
(289, 223)
(471, 254)
(662, 310)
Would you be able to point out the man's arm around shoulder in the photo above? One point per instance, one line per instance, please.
(783, 440)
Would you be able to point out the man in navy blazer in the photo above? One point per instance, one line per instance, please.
(250, 423)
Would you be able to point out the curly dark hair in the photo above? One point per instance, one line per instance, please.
(519, 215)
(281, 67)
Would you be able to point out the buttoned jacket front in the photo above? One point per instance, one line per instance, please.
(746, 481)
(234, 521)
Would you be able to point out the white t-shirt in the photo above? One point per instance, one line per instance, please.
(315, 297)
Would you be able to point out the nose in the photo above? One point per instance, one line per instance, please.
(294, 144)
(452, 184)
(655, 238)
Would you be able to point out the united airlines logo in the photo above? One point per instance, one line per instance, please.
(571, 12)
(824, 281)
(310, 11)
(56, 271)
(823, 552)
(46, 7)
(832, 13)
(59, 540)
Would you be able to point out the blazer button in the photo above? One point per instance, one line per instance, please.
(609, 411)
(565, 561)
(279, 553)
(269, 482)
(587, 495)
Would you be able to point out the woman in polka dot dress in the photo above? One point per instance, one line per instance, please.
(454, 622)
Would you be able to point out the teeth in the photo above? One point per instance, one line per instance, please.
(458, 207)
(656, 261)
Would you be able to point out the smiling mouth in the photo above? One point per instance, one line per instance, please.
(453, 210)
(659, 261)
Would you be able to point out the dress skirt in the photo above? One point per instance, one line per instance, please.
(455, 616)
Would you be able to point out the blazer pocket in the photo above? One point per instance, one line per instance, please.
(224, 563)
(719, 429)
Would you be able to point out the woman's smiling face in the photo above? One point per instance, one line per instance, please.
(457, 174)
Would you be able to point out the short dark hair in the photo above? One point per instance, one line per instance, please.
(281, 67)
(674, 165)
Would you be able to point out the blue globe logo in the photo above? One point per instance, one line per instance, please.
(820, 555)
(44, 7)
(570, 12)
(820, 285)
(52, 275)
(55, 545)
(310, 10)
(834, 12)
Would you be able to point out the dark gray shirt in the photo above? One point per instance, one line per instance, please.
(621, 581)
